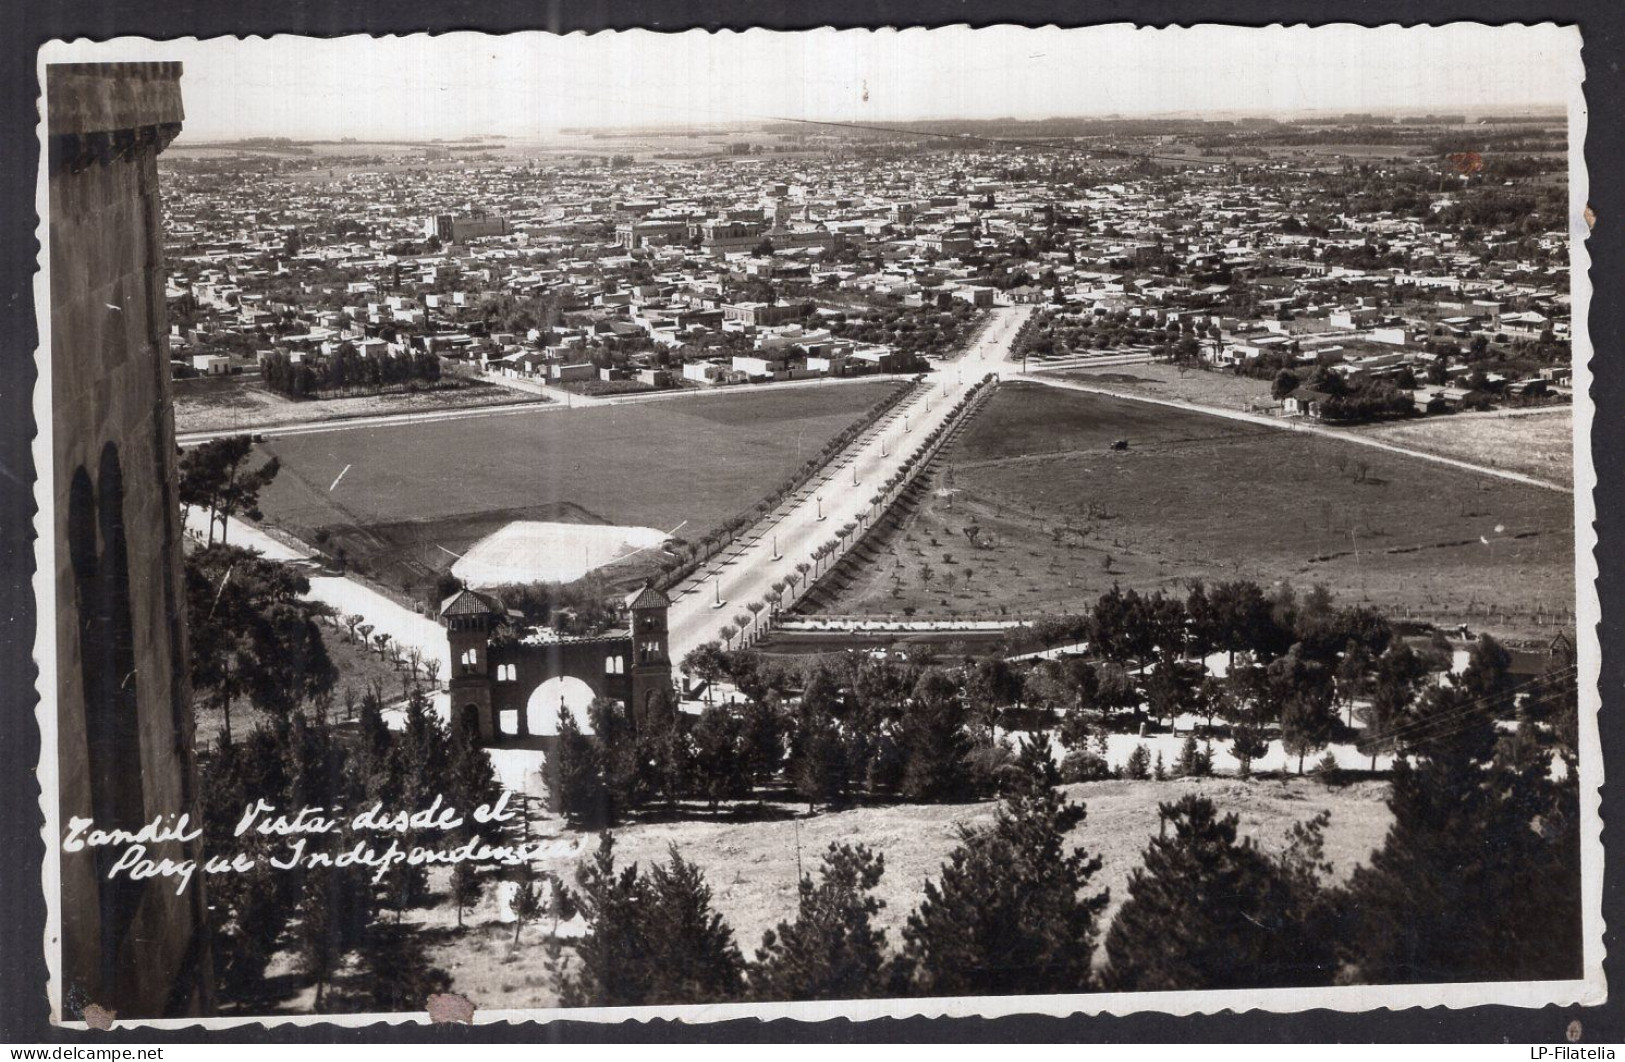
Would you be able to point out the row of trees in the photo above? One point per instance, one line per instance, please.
(1477, 879)
(1302, 671)
(347, 370)
(690, 555)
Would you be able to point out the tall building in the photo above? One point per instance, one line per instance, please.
(450, 228)
(122, 697)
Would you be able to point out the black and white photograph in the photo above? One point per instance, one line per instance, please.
(957, 521)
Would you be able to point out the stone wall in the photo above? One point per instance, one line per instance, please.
(124, 729)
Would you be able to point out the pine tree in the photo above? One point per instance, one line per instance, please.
(335, 911)
(1478, 876)
(1206, 911)
(721, 769)
(1007, 914)
(1138, 767)
(1035, 763)
(934, 743)
(1247, 697)
(624, 762)
(665, 758)
(527, 906)
(762, 737)
(575, 778)
(251, 910)
(1185, 766)
(832, 950)
(1077, 731)
(398, 975)
(818, 763)
(650, 939)
(466, 888)
(472, 782)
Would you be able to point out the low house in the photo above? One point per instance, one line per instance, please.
(211, 364)
(1429, 400)
(584, 370)
(1306, 402)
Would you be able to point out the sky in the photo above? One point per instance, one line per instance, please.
(532, 84)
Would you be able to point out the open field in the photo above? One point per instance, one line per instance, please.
(1160, 380)
(417, 495)
(240, 403)
(1536, 443)
(530, 551)
(1061, 517)
(752, 866)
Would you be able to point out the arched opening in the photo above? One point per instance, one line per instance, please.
(469, 720)
(542, 710)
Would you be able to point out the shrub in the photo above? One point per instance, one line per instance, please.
(1079, 766)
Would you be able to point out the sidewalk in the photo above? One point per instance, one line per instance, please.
(347, 597)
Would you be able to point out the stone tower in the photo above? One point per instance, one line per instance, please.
(122, 696)
(651, 658)
(469, 618)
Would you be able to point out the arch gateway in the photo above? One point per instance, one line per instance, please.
(496, 672)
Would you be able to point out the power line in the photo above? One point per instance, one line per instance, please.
(1439, 725)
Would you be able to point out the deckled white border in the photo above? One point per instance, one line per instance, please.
(1589, 990)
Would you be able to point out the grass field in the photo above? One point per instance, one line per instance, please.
(240, 403)
(1061, 517)
(752, 866)
(1157, 380)
(1536, 444)
(416, 495)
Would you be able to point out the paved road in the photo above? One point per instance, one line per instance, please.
(348, 597)
(746, 571)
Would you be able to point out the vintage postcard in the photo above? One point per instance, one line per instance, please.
(947, 522)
